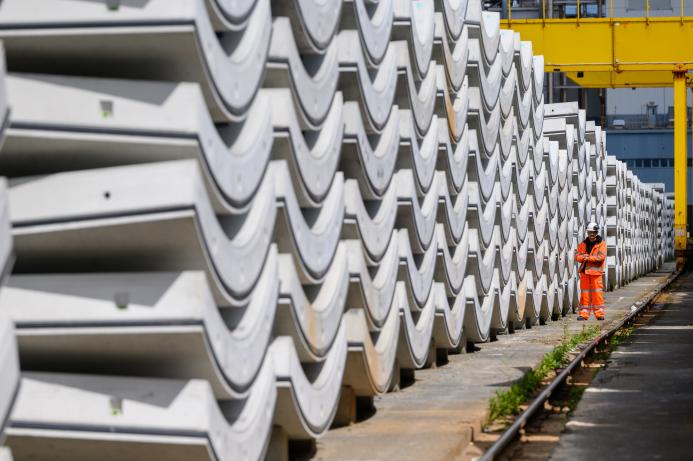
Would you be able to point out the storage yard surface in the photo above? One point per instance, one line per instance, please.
(435, 418)
(640, 406)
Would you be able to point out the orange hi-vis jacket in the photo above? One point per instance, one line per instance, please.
(593, 264)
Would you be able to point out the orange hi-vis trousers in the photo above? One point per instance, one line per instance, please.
(591, 296)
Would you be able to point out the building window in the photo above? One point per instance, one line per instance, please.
(670, 163)
(638, 163)
(639, 5)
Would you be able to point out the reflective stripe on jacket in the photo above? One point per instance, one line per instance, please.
(594, 262)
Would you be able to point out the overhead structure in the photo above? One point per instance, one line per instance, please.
(214, 259)
(628, 52)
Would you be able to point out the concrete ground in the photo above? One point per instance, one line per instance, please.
(436, 417)
(641, 406)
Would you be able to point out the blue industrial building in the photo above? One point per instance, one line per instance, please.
(649, 153)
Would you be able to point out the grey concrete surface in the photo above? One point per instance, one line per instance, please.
(436, 418)
(640, 407)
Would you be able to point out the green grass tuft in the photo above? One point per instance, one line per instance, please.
(507, 402)
(620, 336)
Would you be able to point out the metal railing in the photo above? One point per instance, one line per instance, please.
(578, 4)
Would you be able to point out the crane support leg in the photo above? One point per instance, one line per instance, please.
(680, 168)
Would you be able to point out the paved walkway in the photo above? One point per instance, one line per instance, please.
(641, 406)
(435, 418)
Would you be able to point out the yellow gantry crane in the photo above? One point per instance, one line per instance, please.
(610, 52)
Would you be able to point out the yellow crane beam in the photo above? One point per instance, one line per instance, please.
(627, 79)
(624, 53)
(610, 44)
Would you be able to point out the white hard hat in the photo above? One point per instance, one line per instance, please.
(592, 227)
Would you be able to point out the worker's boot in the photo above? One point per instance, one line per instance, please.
(583, 314)
(599, 313)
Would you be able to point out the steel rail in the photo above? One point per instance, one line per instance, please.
(537, 403)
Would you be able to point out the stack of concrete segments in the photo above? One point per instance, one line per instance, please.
(647, 231)
(667, 247)
(647, 241)
(628, 216)
(490, 62)
(232, 220)
(9, 363)
(622, 232)
(614, 222)
(639, 225)
(662, 248)
(524, 310)
(632, 191)
(598, 166)
(565, 131)
(180, 272)
(656, 253)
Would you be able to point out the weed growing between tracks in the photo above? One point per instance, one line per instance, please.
(614, 341)
(508, 402)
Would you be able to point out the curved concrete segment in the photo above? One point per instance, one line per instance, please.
(133, 127)
(373, 22)
(307, 399)
(371, 358)
(448, 330)
(478, 313)
(374, 89)
(414, 26)
(163, 324)
(314, 22)
(312, 154)
(373, 283)
(454, 157)
(415, 94)
(313, 87)
(110, 218)
(71, 39)
(419, 153)
(4, 101)
(138, 417)
(416, 273)
(9, 364)
(453, 52)
(311, 313)
(415, 335)
(454, 12)
(371, 222)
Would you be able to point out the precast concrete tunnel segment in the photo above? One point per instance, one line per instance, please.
(226, 219)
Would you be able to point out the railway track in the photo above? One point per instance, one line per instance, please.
(537, 406)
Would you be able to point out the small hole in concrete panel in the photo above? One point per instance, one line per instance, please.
(122, 299)
(113, 5)
(107, 195)
(116, 406)
(106, 108)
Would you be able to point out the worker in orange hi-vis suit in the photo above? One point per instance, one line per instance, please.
(591, 254)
